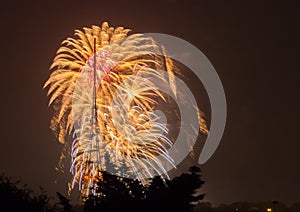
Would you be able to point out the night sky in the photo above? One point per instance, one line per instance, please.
(252, 45)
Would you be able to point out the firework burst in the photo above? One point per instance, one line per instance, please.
(103, 95)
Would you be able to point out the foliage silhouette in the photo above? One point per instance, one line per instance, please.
(116, 194)
(14, 197)
(123, 194)
(64, 202)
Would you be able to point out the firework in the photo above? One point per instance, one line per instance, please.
(103, 94)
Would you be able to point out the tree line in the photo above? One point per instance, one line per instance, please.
(113, 194)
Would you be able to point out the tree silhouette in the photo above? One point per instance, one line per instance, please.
(117, 193)
(64, 202)
(114, 193)
(178, 194)
(14, 197)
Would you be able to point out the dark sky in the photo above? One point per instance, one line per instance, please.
(253, 46)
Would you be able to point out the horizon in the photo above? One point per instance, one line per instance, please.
(252, 46)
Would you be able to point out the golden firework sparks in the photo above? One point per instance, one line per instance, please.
(125, 131)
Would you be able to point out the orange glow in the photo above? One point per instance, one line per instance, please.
(129, 135)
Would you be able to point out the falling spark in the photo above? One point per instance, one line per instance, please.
(126, 135)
